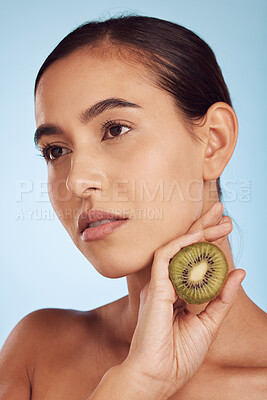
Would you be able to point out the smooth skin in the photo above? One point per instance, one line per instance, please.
(64, 354)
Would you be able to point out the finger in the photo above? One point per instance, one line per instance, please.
(220, 241)
(218, 231)
(211, 217)
(215, 312)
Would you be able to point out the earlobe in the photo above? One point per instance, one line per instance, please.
(222, 127)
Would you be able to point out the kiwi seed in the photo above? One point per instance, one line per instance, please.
(198, 272)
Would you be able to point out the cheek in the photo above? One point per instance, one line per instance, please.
(183, 171)
(184, 187)
(172, 185)
(56, 187)
(61, 199)
(167, 168)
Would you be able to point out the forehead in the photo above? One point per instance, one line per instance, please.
(79, 80)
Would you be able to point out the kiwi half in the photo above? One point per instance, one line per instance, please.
(198, 272)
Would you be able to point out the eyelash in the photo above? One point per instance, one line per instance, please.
(104, 127)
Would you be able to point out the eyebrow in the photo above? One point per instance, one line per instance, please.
(85, 116)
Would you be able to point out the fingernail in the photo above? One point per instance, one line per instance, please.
(226, 224)
(223, 220)
(243, 276)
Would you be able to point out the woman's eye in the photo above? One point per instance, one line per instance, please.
(115, 130)
(52, 153)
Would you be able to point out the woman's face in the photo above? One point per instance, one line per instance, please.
(149, 170)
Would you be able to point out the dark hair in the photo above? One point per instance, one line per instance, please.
(177, 59)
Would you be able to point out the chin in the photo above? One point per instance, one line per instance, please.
(117, 266)
(112, 274)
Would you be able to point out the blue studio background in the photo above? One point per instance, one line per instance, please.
(40, 265)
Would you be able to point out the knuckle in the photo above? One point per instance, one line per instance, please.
(161, 254)
(197, 225)
(217, 210)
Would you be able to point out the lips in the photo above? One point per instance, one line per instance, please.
(87, 217)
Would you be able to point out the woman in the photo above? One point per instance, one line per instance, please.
(134, 119)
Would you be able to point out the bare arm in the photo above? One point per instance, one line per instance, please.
(14, 362)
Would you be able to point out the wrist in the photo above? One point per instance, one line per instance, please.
(143, 386)
(122, 382)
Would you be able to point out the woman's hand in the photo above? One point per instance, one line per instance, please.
(170, 343)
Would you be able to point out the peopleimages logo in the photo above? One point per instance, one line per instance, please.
(132, 190)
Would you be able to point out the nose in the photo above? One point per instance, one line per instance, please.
(84, 176)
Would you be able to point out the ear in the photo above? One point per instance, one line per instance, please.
(221, 128)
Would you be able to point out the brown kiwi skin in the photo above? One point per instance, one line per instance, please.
(213, 298)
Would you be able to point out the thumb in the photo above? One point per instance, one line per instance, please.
(215, 312)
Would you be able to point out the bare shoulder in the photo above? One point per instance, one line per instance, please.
(53, 328)
(76, 348)
(51, 352)
(37, 333)
(15, 359)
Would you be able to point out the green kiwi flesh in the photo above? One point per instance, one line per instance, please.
(198, 272)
